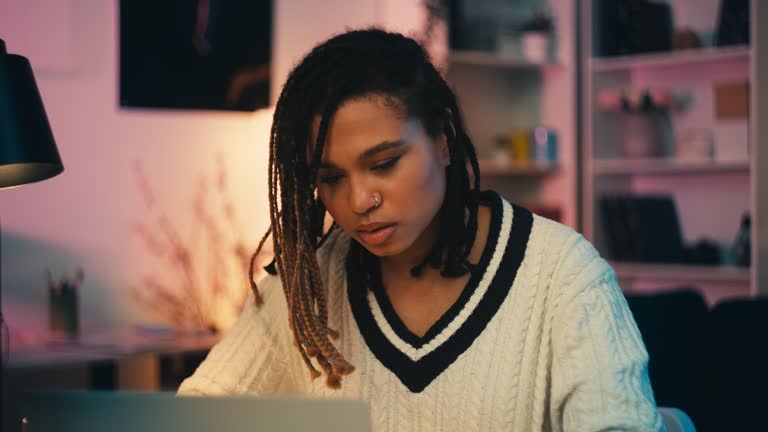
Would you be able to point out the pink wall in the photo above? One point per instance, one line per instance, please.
(86, 216)
(89, 210)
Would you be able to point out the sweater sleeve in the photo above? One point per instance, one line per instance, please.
(255, 356)
(600, 365)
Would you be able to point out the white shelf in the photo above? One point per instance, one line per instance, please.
(497, 168)
(711, 196)
(697, 57)
(681, 273)
(485, 58)
(665, 166)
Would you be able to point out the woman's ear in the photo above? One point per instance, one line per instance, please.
(445, 155)
(449, 133)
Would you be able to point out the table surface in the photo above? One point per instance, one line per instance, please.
(116, 345)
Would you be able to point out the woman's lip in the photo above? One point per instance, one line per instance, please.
(372, 226)
(377, 236)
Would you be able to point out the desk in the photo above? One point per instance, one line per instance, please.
(113, 346)
(123, 360)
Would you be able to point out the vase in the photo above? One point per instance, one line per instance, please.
(644, 135)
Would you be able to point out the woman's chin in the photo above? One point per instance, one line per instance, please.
(381, 251)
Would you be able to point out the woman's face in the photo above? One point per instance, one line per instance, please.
(371, 148)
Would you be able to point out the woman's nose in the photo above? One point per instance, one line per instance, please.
(363, 199)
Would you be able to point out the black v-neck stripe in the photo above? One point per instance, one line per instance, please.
(417, 375)
(397, 324)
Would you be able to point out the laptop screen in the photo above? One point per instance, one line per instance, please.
(91, 411)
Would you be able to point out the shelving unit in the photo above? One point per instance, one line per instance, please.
(485, 58)
(682, 273)
(495, 168)
(710, 195)
(668, 166)
(701, 57)
(501, 92)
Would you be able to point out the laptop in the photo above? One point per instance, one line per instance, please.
(92, 411)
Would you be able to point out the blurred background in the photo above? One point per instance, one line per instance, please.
(635, 122)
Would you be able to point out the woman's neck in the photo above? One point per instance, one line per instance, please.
(400, 265)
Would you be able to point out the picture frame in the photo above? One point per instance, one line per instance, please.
(195, 54)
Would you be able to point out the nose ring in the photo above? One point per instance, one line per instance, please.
(376, 199)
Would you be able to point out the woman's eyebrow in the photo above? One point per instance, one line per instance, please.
(380, 147)
(369, 153)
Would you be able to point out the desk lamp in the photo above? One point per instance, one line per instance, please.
(27, 150)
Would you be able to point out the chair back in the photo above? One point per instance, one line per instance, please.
(740, 364)
(674, 325)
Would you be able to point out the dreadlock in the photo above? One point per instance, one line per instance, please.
(355, 64)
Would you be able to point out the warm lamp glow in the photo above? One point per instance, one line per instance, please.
(15, 175)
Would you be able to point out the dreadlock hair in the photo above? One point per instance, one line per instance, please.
(356, 64)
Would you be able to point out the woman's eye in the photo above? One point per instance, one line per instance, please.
(330, 179)
(388, 164)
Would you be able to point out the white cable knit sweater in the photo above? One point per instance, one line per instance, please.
(542, 339)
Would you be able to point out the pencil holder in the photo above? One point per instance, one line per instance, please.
(63, 316)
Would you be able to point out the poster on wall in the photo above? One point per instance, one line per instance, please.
(195, 54)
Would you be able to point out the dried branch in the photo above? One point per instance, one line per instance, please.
(198, 282)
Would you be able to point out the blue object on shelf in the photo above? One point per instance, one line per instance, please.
(544, 141)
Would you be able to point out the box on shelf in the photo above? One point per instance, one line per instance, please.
(695, 144)
(731, 100)
(732, 141)
(731, 105)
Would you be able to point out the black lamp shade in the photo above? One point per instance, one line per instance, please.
(27, 149)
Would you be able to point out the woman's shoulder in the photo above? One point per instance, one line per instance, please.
(542, 235)
(559, 239)
(570, 258)
(274, 307)
(330, 258)
(333, 251)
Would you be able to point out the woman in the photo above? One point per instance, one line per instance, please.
(445, 307)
